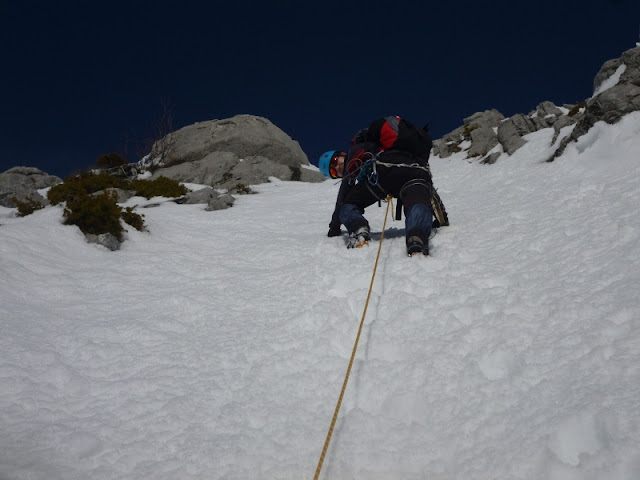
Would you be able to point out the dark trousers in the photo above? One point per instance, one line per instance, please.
(411, 185)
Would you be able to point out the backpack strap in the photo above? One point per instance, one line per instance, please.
(398, 209)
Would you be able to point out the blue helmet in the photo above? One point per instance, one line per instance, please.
(324, 163)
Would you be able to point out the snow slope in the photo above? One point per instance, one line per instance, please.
(215, 345)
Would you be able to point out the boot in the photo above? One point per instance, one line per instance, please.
(359, 238)
(416, 246)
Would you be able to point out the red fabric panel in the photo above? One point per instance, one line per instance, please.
(388, 136)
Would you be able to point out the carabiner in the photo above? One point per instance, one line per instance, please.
(373, 176)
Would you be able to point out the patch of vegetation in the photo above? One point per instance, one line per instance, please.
(110, 160)
(95, 214)
(454, 147)
(134, 219)
(86, 183)
(296, 174)
(160, 187)
(83, 183)
(469, 128)
(576, 109)
(27, 207)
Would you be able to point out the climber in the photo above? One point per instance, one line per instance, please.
(390, 157)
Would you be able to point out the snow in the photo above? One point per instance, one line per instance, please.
(610, 82)
(214, 346)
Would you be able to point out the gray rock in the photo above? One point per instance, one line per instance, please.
(564, 121)
(21, 193)
(230, 155)
(220, 202)
(107, 240)
(511, 131)
(23, 182)
(605, 72)
(199, 196)
(305, 174)
(449, 144)
(611, 104)
(491, 159)
(488, 118)
(608, 105)
(121, 195)
(547, 109)
(243, 135)
(481, 128)
(483, 139)
(631, 75)
(224, 170)
(485, 130)
(209, 196)
(211, 170)
(545, 115)
(256, 170)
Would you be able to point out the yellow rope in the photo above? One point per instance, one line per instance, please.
(355, 347)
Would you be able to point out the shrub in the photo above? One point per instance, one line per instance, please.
(160, 187)
(63, 192)
(576, 109)
(27, 207)
(110, 160)
(296, 174)
(97, 182)
(95, 214)
(134, 219)
(83, 183)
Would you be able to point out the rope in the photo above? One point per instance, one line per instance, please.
(407, 165)
(355, 347)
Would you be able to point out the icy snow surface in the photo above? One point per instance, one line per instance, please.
(215, 345)
(610, 82)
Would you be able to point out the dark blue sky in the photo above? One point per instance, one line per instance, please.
(84, 78)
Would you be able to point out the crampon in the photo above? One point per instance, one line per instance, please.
(359, 238)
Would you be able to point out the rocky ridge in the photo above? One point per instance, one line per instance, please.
(488, 135)
(228, 155)
(224, 155)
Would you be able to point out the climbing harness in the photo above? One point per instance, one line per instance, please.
(369, 169)
(436, 203)
(355, 347)
(405, 165)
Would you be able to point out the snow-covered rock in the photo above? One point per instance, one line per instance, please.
(616, 94)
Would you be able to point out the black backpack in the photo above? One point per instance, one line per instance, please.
(396, 133)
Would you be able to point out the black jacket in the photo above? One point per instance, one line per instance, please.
(393, 135)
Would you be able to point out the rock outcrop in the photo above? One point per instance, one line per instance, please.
(244, 150)
(485, 136)
(24, 183)
(616, 93)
